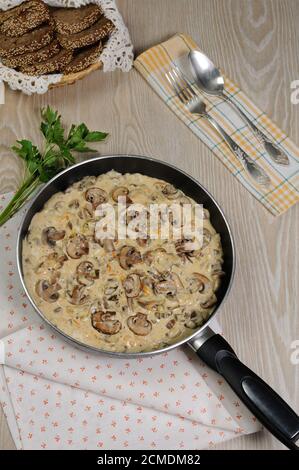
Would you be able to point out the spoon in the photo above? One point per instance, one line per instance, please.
(195, 105)
(210, 80)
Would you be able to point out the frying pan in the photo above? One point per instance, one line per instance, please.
(271, 410)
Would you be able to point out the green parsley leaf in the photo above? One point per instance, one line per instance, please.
(57, 155)
(51, 127)
(95, 136)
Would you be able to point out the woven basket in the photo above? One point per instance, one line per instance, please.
(117, 53)
(71, 78)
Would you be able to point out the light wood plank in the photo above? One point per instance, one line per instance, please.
(256, 42)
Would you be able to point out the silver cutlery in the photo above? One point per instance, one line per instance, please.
(195, 105)
(210, 80)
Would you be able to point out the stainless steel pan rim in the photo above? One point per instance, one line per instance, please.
(126, 355)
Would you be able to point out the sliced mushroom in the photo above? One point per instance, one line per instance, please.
(147, 282)
(132, 285)
(121, 191)
(139, 324)
(150, 304)
(185, 245)
(145, 241)
(217, 282)
(149, 256)
(206, 214)
(174, 277)
(74, 204)
(170, 191)
(86, 273)
(199, 283)
(54, 276)
(86, 182)
(51, 235)
(194, 320)
(77, 295)
(137, 222)
(162, 314)
(185, 248)
(47, 291)
(170, 324)
(96, 196)
(206, 237)
(165, 288)
(217, 269)
(209, 302)
(130, 303)
(113, 302)
(107, 244)
(183, 200)
(52, 262)
(77, 247)
(111, 287)
(167, 189)
(86, 212)
(129, 256)
(172, 304)
(104, 322)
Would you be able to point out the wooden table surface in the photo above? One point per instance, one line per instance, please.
(257, 43)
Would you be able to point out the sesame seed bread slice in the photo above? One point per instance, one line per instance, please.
(55, 64)
(83, 59)
(75, 20)
(30, 15)
(32, 57)
(89, 36)
(5, 15)
(29, 42)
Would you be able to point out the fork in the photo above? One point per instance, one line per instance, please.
(195, 105)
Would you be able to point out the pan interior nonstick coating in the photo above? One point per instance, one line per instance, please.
(149, 167)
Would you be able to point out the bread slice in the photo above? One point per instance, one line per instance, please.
(89, 36)
(29, 15)
(83, 59)
(4, 15)
(74, 20)
(33, 57)
(29, 42)
(55, 64)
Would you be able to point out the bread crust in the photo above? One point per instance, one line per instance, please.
(83, 59)
(55, 64)
(6, 14)
(89, 36)
(31, 57)
(29, 15)
(75, 20)
(29, 42)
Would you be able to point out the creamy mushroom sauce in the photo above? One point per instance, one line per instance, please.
(124, 295)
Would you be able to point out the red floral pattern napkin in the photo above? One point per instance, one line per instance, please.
(58, 397)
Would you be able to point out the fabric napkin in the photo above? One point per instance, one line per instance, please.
(55, 396)
(284, 189)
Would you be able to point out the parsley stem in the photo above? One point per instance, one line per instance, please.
(27, 188)
(42, 166)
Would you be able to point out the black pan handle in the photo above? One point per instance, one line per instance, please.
(270, 409)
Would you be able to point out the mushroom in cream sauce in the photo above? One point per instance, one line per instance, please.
(127, 294)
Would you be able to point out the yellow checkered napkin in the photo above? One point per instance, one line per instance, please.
(284, 189)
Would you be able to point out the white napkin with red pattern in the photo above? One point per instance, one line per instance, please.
(56, 396)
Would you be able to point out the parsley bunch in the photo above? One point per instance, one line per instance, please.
(57, 155)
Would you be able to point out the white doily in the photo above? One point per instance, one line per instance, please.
(117, 53)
